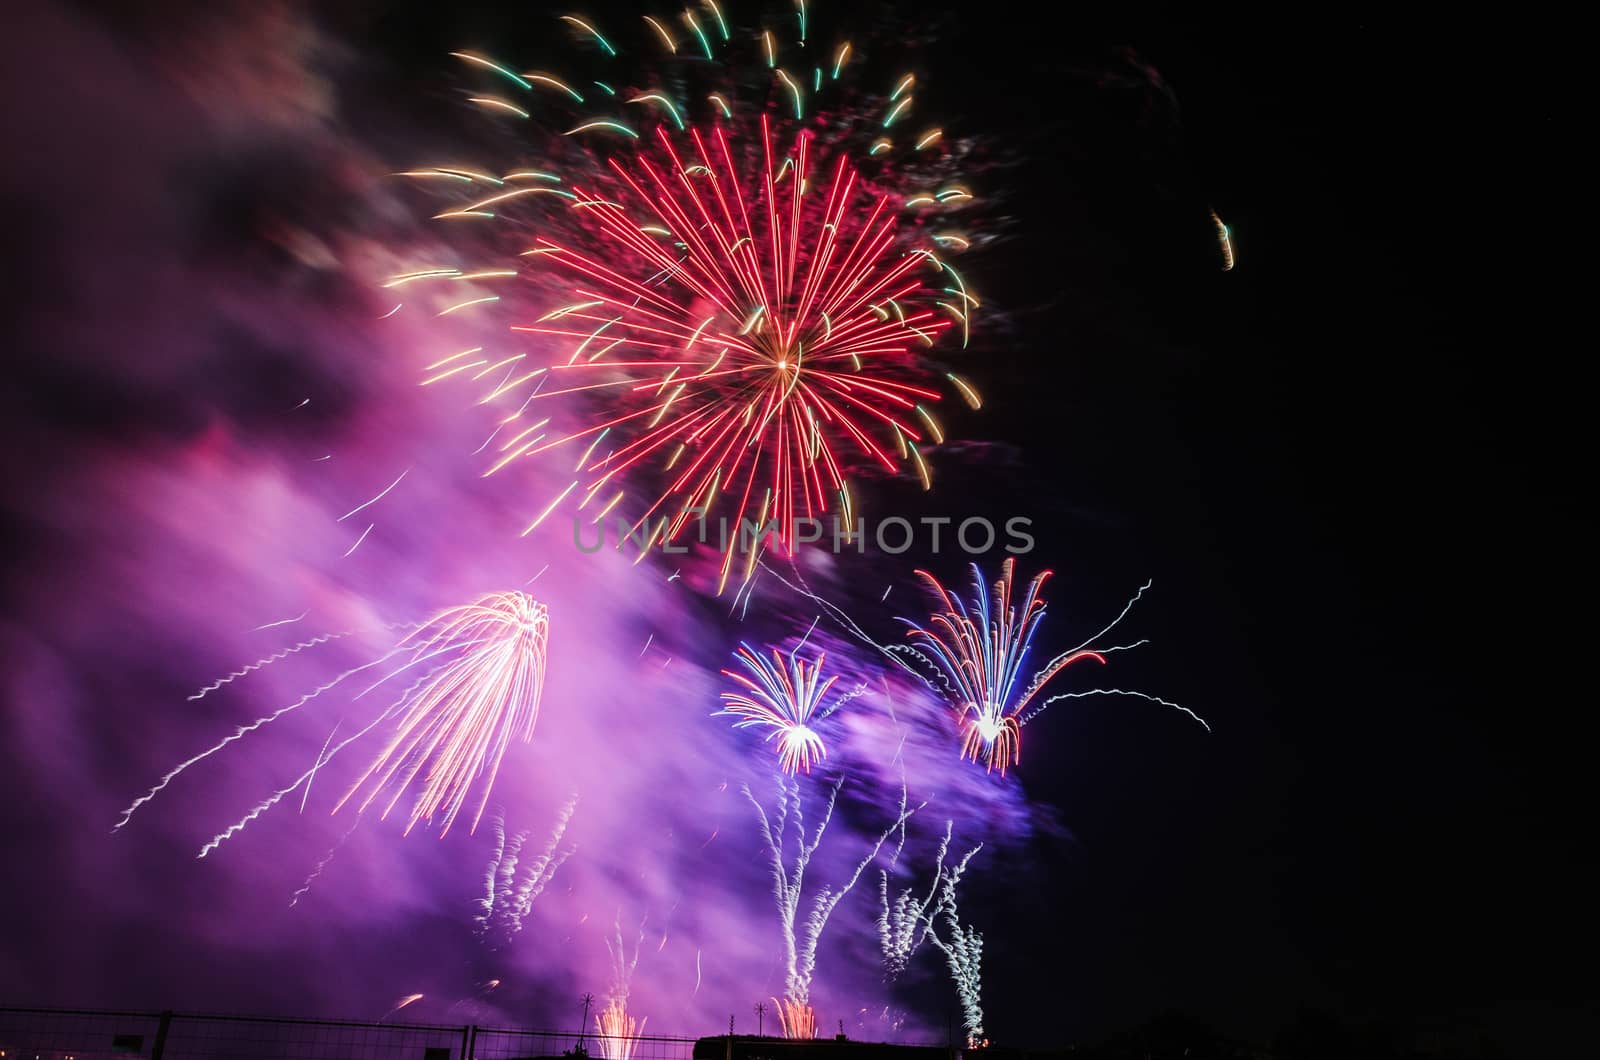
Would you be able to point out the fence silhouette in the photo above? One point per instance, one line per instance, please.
(92, 1034)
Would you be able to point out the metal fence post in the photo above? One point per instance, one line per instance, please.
(161, 1035)
(469, 1040)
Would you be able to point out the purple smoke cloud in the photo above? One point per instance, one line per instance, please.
(220, 227)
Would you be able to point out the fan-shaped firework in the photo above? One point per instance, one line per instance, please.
(981, 651)
(468, 712)
(782, 697)
(477, 671)
(745, 308)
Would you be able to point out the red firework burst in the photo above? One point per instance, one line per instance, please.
(756, 332)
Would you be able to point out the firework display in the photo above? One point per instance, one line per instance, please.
(476, 676)
(707, 277)
(462, 720)
(510, 888)
(618, 1029)
(782, 699)
(962, 947)
(783, 830)
(754, 376)
(904, 920)
(979, 648)
(749, 316)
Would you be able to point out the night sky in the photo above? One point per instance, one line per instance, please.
(1350, 466)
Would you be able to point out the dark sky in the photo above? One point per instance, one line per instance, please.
(1351, 466)
(1352, 460)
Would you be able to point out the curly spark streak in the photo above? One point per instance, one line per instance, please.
(800, 949)
(1036, 711)
(316, 871)
(241, 732)
(891, 652)
(902, 923)
(508, 899)
(1060, 661)
(323, 758)
(963, 951)
(265, 661)
(788, 881)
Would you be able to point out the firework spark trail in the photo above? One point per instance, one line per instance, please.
(272, 800)
(463, 723)
(788, 882)
(491, 874)
(622, 966)
(980, 647)
(510, 895)
(305, 778)
(782, 699)
(1224, 242)
(475, 676)
(963, 951)
(280, 622)
(1036, 711)
(313, 779)
(305, 887)
(400, 1004)
(265, 661)
(1113, 624)
(903, 923)
(855, 693)
(827, 900)
(809, 630)
(241, 732)
(381, 494)
(351, 550)
(853, 628)
(748, 589)
(485, 988)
